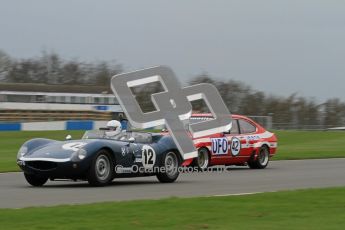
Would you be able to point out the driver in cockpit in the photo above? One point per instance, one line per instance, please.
(113, 128)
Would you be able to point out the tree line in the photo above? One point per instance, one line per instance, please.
(294, 111)
(50, 68)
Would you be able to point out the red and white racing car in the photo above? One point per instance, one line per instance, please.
(247, 143)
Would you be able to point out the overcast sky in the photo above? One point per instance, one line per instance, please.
(280, 47)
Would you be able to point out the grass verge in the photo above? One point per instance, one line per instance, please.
(310, 144)
(301, 209)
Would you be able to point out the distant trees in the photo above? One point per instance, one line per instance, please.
(334, 112)
(5, 63)
(291, 112)
(49, 68)
(287, 112)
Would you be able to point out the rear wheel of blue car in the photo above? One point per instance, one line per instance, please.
(35, 180)
(101, 169)
(170, 170)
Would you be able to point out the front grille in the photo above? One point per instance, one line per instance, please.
(41, 165)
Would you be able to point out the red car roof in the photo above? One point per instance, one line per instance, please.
(234, 116)
(210, 115)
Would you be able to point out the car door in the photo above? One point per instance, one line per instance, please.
(226, 147)
(135, 149)
(127, 154)
(239, 146)
(248, 136)
(235, 140)
(142, 150)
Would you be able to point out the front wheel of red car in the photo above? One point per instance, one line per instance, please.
(261, 160)
(35, 180)
(101, 169)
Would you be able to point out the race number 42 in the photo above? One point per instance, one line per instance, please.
(235, 146)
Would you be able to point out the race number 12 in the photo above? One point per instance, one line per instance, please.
(148, 155)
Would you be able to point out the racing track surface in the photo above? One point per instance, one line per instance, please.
(280, 175)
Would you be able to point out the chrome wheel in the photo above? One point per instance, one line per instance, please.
(263, 156)
(261, 160)
(102, 167)
(171, 164)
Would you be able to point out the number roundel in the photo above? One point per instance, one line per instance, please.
(74, 146)
(148, 155)
(235, 146)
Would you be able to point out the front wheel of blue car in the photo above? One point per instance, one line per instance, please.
(170, 165)
(35, 180)
(101, 169)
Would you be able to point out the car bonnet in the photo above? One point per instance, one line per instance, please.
(56, 151)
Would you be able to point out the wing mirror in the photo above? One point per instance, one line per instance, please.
(68, 137)
(131, 140)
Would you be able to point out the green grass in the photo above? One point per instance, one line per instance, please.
(301, 209)
(291, 144)
(10, 143)
(310, 144)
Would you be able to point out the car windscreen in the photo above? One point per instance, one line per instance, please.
(139, 137)
(94, 134)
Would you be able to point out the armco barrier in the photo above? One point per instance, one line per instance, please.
(53, 125)
(10, 126)
(79, 125)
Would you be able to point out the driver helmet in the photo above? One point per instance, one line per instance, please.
(114, 128)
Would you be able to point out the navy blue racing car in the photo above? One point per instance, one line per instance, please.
(99, 159)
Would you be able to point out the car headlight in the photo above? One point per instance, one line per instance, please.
(22, 151)
(81, 154)
(78, 155)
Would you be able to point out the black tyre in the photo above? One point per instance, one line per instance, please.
(203, 159)
(35, 180)
(101, 170)
(171, 164)
(261, 160)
